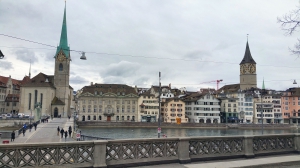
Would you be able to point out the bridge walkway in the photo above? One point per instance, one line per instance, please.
(279, 161)
(46, 132)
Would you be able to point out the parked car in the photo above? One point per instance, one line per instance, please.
(21, 115)
(26, 116)
(8, 115)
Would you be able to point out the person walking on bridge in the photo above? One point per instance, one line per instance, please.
(13, 135)
(62, 132)
(58, 130)
(66, 135)
(35, 124)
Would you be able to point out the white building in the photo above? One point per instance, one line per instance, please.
(202, 108)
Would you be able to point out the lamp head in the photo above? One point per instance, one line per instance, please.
(83, 57)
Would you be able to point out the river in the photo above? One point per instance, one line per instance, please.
(129, 133)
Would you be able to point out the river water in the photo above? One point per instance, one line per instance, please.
(129, 133)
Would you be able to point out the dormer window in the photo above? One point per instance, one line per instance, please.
(61, 67)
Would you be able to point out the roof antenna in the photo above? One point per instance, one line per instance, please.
(30, 69)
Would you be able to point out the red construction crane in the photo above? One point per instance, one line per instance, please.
(217, 81)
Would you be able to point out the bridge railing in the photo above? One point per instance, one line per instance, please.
(134, 152)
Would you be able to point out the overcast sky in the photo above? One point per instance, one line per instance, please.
(130, 41)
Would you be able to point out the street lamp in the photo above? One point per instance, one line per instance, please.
(30, 116)
(74, 121)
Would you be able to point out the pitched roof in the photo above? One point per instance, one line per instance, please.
(109, 88)
(40, 81)
(193, 96)
(57, 101)
(229, 88)
(247, 57)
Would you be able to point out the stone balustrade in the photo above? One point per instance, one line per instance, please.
(134, 152)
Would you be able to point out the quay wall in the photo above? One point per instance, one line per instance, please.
(182, 125)
(139, 152)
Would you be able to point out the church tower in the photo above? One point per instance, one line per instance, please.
(62, 67)
(247, 71)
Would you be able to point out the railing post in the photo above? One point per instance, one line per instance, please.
(248, 144)
(183, 150)
(100, 154)
(297, 143)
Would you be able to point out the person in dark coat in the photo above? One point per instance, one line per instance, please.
(70, 132)
(13, 135)
(24, 130)
(30, 127)
(58, 130)
(35, 124)
(62, 132)
(66, 134)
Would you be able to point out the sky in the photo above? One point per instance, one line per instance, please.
(192, 43)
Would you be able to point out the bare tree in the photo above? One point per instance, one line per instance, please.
(290, 23)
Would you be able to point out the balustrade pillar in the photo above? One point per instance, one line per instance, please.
(100, 154)
(183, 150)
(248, 145)
(297, 143)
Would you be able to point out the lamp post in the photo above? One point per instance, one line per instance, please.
(261, 113)
(159, 106)
(30, 116)
(74, 121)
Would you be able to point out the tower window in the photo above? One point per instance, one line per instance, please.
(61, 67)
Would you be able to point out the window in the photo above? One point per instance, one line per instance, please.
(100, 109)
(118, 118)
(95, 108)
(83, 108)
(95, 118)
(29, 102)
(61, 67)
(41, 99)
(89, 108)
(100, 118)
(35, 96)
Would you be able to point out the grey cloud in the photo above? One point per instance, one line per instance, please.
(5, 65)
(197, 54)
(121, 69)
(112, 79)
(78, 80)
(26, 55)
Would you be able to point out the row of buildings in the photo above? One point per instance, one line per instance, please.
(53, 96)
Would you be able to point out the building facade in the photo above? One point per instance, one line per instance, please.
(148, 110)
(173, 109)
(202, 108)
(108, 102)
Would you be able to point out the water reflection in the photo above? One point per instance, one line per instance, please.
(128, 133)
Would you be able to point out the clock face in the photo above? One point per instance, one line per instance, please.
(243, 69)
(252, 68)
(60, 57)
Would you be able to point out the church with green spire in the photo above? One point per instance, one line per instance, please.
(52, 94)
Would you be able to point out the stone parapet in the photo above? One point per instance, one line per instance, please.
(135, 152)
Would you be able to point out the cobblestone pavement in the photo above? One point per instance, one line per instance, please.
(46, 132)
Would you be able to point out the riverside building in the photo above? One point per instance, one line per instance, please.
(108, 102)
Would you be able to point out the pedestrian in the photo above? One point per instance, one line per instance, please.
(70, 128)
(69, 117)
(47, 120)
(66, 135)
(62, 132)
(24, 130)
(13, 135)
(70, 132)
(30, 127)
(58, 130)
(35, 124)
(78, 135)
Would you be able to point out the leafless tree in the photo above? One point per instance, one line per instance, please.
(290, 23)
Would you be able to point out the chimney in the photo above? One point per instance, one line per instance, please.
(170, 85)
(91, 83)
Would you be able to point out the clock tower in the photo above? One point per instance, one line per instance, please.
(62, 68)
(247, 71)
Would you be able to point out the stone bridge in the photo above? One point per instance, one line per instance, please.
(135, 152)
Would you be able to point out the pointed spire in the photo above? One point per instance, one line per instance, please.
(247, 57)
(263, 85)
(30, 69)
(63, 44)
